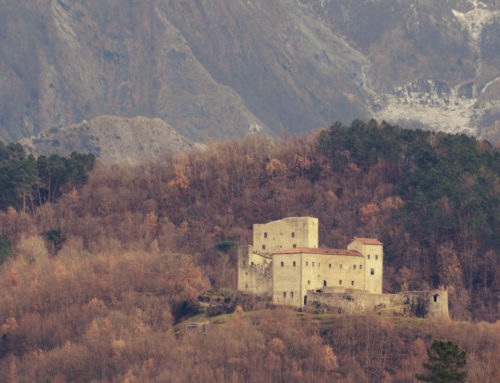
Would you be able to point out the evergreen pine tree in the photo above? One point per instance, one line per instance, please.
(446, 363)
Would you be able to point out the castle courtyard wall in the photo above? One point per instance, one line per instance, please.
(429, 304)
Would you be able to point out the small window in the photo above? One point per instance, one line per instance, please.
(244, 263)
(329, 265)
(352, 283)
(282, 264)
(246, 286)
(284, 294)
(354, 267)
(293, 234)
(307, 263)
(263, 247)
(436, 298)
(341, 265)
(251, 265)
(372, 271)
(340, 282)
(294, 264)
(294, 245)
(319, 264)
(324, 283)
(308, 282)
(360, 267)
(291, 294)
(376, 257)
(246, 273)
(265, 235)
(368, 256)
(313, 264)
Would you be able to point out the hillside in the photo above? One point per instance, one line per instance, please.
(112, 139)
(100, 271)
(214, 70)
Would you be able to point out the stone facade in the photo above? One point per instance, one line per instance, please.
(286, 264)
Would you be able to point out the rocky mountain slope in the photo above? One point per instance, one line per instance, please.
(112, 139)
(224, 68)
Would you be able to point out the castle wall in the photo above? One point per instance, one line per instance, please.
(301, 271)
(332, 270)
(254, 272)
(285, 234)
(428, 304)
(287, 287)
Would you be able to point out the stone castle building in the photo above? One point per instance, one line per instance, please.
(286, 263)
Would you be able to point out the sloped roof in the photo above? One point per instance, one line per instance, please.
(313, 250)
(368, 241)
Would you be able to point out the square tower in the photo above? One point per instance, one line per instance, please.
(373, 252)
(286, 233)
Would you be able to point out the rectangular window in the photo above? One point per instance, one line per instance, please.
(368, 256)
(372, 271)
(341, 265)
(251, 265)
(246, 286)
(263, 247)
(340, 282)
(319, 264)
(376, 257)
(282, 264)
(354, 267)
(294, 245)
(293, 263)
(291, 294)
(329, 265)
(293, 234)
(313, 264)
(352, 283)
(265, 235)
(308, 282)
(307, 263)
(284, 294)
(360, 267)
(244, 263)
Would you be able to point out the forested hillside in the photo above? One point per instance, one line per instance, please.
(92, 282)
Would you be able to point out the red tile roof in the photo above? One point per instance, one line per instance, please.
(368, 241)
(312, 250)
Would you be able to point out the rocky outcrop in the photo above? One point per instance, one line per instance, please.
(112, 139)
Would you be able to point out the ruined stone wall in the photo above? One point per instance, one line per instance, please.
(254, 272)
(424, 304)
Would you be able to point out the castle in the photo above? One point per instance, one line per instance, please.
(286, 263)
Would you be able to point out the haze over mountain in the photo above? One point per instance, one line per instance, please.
(223, 68)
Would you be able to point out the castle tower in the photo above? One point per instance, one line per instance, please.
(373, 252)
(286, 233)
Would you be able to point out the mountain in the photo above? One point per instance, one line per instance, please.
(112, 139)
(225, 68)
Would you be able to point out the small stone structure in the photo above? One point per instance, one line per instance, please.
(285, 263)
